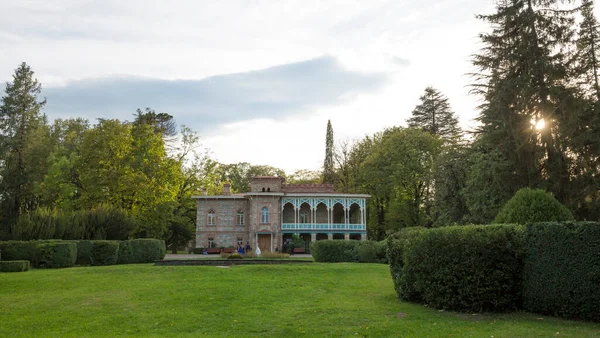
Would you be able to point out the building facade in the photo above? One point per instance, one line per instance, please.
(273, 211)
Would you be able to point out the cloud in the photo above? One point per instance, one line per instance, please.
(274, 93)
(400, 61)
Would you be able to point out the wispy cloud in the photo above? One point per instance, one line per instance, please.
(274, 92)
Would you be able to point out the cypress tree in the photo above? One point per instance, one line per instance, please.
(328, 170)
(435, 116)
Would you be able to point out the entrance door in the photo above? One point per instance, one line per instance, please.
(264, 242)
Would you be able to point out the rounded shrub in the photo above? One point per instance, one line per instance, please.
(333, 251)
(55, 255)
(533, 205)
(104, 252)
(14, 266)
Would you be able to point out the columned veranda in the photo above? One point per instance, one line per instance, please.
(339, 217)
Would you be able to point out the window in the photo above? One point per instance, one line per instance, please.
(303, 216)
(264, 215)
(239, 218)
(263, 190)
(211, 217)
(269, 189)
(211, 242)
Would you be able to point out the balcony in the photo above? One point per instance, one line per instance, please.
(316, 227)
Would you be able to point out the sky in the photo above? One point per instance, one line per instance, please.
(258, 80)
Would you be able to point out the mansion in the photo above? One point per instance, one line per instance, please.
(273, 211)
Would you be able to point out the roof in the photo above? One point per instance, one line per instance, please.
(282, 194)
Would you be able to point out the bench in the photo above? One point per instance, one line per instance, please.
(213, 251)
(299, 250)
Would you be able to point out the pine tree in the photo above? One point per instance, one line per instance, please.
(588, 49)
(584, 128)
(522, 79)
(328, 170)
(21, 139)
(435, 116)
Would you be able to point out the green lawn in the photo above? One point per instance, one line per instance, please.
(242, 301)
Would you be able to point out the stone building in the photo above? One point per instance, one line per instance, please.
(273, 211)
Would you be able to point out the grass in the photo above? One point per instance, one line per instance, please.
(244, 301)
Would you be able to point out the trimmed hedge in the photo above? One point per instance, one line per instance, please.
(55, 255)
(464, 268)
(19, 250)
(104, 252)
(125, 253)
(562, 269)
(371, 251)
(349, 251)
(381, 251)
(367, 252)
(14, 266)
(395, 258)
(87, 252)
(84, 252)
(148, 250)
(333, 251)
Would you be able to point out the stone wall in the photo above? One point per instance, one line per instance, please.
(225, 232)
(268, 183)
(273, 227)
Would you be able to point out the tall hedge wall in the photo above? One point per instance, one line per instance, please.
(562, 269)
(464, 268)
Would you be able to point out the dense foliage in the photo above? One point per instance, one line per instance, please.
(562, 269)
(533, 205)
(463, 268)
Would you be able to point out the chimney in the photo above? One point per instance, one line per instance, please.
(226, 189)
(204, 192)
